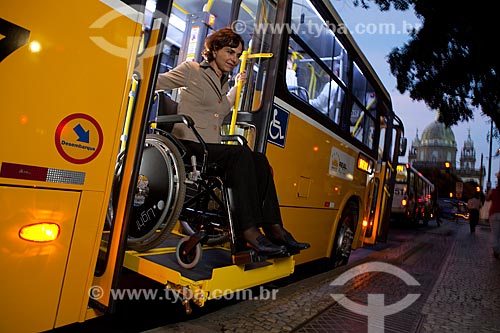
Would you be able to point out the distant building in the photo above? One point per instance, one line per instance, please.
(438, 145)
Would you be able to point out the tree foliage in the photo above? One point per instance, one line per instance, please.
(450, 63)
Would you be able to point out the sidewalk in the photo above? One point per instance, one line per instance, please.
(459, 282)
(466, 298)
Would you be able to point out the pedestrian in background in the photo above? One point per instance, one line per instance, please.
(474, 205)
(494, 196)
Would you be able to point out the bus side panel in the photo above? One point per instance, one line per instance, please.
(32, 273)
(81, 261)
(303, 179)
(64, 98)
(62, 90)
(319, 231)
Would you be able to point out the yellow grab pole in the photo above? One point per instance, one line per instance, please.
(244, 56)
(239, 86)
(130, 107)
(355, 129)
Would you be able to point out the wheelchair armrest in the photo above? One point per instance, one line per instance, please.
(176, 118)
(189, 122)
(234, 138)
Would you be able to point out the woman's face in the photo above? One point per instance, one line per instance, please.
(227, 58)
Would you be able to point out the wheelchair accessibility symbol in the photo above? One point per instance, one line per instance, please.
(278, 126)
(376, 309)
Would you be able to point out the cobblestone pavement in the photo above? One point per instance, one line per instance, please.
(457, 276)
(466, 298)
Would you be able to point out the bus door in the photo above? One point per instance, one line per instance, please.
(378, 189)
(398, 148)
(145, 54)
(380, 199)
(383, 184)
(184, 39)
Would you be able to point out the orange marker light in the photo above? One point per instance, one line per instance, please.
(40, 232)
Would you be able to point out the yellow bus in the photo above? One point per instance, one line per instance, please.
(412, 195)
(77, 91)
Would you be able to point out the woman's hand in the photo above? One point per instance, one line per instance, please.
(241, 77)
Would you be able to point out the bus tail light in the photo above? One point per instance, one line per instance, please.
(40, 232)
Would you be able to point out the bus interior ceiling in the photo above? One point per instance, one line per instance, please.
(182, 11)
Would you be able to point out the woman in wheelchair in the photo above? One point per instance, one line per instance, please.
(205, 97)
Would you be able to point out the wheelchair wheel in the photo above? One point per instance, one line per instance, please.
(202, 211)
(189, 259)
(159, 194)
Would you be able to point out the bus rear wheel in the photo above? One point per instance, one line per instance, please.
(345, 235)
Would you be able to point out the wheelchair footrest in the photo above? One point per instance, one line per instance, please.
(244, 257)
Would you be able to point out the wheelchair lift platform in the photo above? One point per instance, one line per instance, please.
(213, 277)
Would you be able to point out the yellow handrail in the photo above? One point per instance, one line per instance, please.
(239, 85)
(181, 9)
(130, 106)
(355, 129)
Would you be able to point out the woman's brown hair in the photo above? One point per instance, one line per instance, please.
(219, 39)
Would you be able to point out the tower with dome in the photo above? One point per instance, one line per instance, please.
(437, 145)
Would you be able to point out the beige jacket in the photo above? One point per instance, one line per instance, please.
(203, 96)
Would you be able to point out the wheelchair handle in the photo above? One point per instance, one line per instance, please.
(234, 138)
(175, 118)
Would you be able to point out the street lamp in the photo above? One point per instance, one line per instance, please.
(482, 175)
(488, 183)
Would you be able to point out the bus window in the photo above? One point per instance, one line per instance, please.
(364, 112)
(321, 64)
(256, 17)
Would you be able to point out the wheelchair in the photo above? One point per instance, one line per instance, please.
(173, 186)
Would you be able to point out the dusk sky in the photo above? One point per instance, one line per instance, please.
(368, 29)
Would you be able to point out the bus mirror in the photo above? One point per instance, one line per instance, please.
(402, 147)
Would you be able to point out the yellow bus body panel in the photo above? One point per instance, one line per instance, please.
(81, 261)
(75, 70)
(33, 273)
(71, 74)
(303, 181)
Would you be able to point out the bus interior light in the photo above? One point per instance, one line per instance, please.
(211, 20)
(40, 232)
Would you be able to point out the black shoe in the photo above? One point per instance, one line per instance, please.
(278, 235)
(259, 242)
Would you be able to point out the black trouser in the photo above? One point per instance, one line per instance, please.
(248, 175)
(473, 219)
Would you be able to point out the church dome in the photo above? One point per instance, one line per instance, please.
(437, 134)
